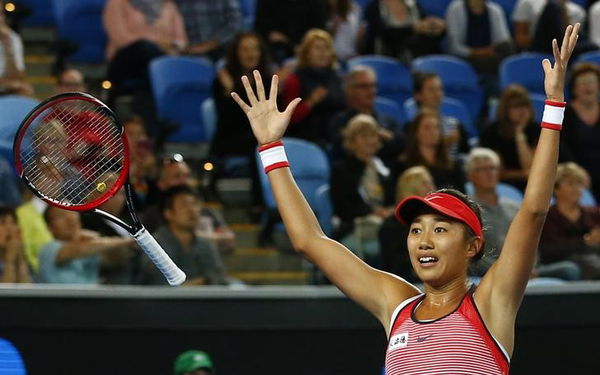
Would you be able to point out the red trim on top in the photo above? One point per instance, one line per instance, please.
(555, 104)
(550, 126)
(281, 164)
(270, 145)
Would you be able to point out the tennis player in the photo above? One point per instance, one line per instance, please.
(452, 328)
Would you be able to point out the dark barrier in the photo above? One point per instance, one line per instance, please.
(262, 331)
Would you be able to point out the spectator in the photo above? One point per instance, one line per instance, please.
(392, 235)
(34, 230)
(193, 362)
(210, 25)
(425, 146)
(428, 94)
(317, 82)
(174, 171)
(74, 256)
(513, 135)
(572, 232)
(360, 86)
(283, 23)
(399, 28)
(483, 169)
(121, 263)
(346, 27)
(477, 31)
(194, 255)
(13, 266)
(537, 22)
(70, 80)
(358, 188)
(594, 23)
(9, 192)
(138, 31)
(142, 167)
(233, 136)
(12, 61)
(581, 138)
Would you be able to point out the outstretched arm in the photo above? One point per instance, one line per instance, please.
(501, 290)
(377, 291)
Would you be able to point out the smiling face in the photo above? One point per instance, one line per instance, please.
(440, 249)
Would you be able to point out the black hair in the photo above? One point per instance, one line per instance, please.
(232, 60)
(167, 199)
(419, 79)
(475, 207)
(8, 211)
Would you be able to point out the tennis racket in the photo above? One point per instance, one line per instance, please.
(71, 151)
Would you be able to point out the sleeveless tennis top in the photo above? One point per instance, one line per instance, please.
(458, 343)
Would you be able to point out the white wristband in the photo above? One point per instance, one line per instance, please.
(272, 156)
(554, 113)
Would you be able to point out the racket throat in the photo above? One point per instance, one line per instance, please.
(130, 228)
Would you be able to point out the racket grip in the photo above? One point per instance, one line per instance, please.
(159, 257)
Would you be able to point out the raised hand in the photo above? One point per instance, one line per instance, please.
(268, 124)
(554, 82)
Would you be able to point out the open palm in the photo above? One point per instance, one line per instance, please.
(268, 124)
(554, 81)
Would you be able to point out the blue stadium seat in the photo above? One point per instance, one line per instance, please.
(248, 8)
(502, 189)
(310, 173)
(458, 77)
(40, 14)
(593, 56)
(450, 107)
(393, 78)
(524, 69)
(324, 209)
(80, 21)
(13, 109)
(180, 85)
(209, 117)
(587, 198)
(435, 7)
(392, 109)
(507, 7)
(11, 362)
(583, 3)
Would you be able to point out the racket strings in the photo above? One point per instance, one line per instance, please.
(75, 149)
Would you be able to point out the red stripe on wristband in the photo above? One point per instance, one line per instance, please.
(282, 164)
(555, 104)
(270, 145)
(550, 126)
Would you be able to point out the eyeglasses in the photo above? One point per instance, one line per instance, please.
(366, 85)
(491, 168)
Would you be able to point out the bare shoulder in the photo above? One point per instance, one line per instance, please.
(396, 291)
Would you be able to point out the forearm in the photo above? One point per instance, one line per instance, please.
(9, 272)
(23, 275)
(80, 249)
(300, 222)
(11, 70)
(542, 174)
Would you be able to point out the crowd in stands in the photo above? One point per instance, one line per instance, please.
(376, 157)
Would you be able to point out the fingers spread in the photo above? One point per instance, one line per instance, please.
(274, 88)
(291, 107)
(240, 102)
(260, 89)
(249, 91)
(546, 65)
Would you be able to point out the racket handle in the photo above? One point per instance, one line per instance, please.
(159, 257)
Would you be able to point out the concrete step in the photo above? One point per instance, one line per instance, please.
(262, 260)
(272, 278)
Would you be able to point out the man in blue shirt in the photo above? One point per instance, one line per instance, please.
(74, 256)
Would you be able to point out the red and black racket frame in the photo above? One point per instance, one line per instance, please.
(122, 180)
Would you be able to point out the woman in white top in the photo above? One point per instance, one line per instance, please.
(477, 31)
(346, 26)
